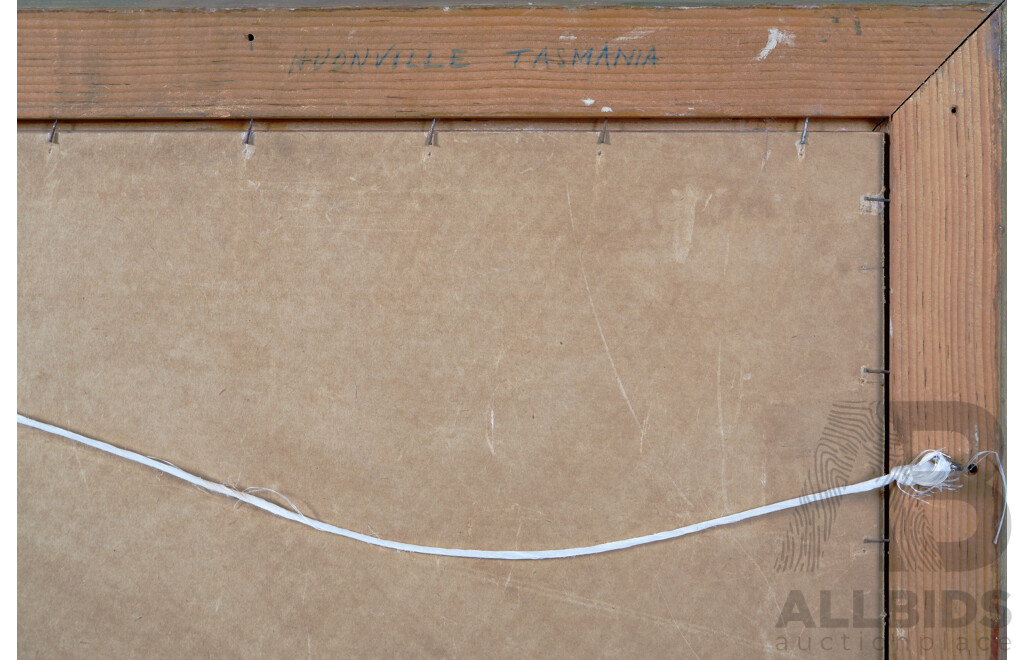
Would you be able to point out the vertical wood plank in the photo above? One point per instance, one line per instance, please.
(947, 263)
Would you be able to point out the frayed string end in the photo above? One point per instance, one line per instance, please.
(931, 471)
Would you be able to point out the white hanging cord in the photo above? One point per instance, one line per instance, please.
(1002, 475)
(932, 470)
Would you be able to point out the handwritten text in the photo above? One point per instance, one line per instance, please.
(397, 58)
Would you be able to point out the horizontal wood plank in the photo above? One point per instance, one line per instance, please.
(485, 62)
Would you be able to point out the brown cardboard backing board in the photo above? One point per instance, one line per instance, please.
(508, 340)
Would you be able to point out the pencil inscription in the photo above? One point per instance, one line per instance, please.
(607, 57)
(397, 58)
(392, 58)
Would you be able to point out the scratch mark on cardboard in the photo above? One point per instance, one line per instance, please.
(81, 469)
(725, 262)
(721, 422)
(771, 591)
(679, 491)
(490, 434)
(767, 152)
(643, 430)
(616, 610)
(593, 310)
(675, 623)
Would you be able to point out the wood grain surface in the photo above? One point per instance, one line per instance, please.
(484, 62)
(947, 265)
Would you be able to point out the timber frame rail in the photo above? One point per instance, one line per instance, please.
(931, 76)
